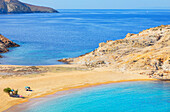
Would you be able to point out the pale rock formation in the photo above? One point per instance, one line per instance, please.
(148, 51)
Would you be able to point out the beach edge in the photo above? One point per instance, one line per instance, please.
(74, 87)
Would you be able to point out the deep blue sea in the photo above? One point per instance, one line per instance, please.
(149, 96)
(45, 38)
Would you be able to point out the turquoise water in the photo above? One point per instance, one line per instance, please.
(45, 38)
(118, 97)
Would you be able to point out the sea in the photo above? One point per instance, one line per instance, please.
(48, 37)
(140, 96)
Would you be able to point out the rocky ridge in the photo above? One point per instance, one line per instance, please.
(5, 44)
(15, 6)
(145, 53)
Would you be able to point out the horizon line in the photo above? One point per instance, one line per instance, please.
(122, 9)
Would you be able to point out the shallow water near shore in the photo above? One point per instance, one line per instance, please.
(45, 38)
(139, 96)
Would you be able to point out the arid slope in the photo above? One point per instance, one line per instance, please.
(147, 52)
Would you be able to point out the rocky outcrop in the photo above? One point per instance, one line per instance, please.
(3, 7)
(40, 9)
(15, 6)
(147, 52)
(5, 44)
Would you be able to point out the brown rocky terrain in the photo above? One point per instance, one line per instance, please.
(145, 53)
(15, 6)
(5, 44)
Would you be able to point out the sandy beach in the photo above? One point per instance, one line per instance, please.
(58, 78)
(67, 46)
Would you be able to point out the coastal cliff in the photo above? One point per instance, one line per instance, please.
(146, 53)
(15, 6)
(5, 44)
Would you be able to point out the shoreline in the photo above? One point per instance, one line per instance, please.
(59, 78)
(74, 88)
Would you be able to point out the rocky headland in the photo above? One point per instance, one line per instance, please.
(15, 6)
(5, 44)
(147, 52)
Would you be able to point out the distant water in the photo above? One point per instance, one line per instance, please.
(45, 38)
(118, 97)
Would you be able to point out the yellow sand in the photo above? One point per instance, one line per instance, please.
(51, 82)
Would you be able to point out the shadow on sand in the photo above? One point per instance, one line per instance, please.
(17, 96)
